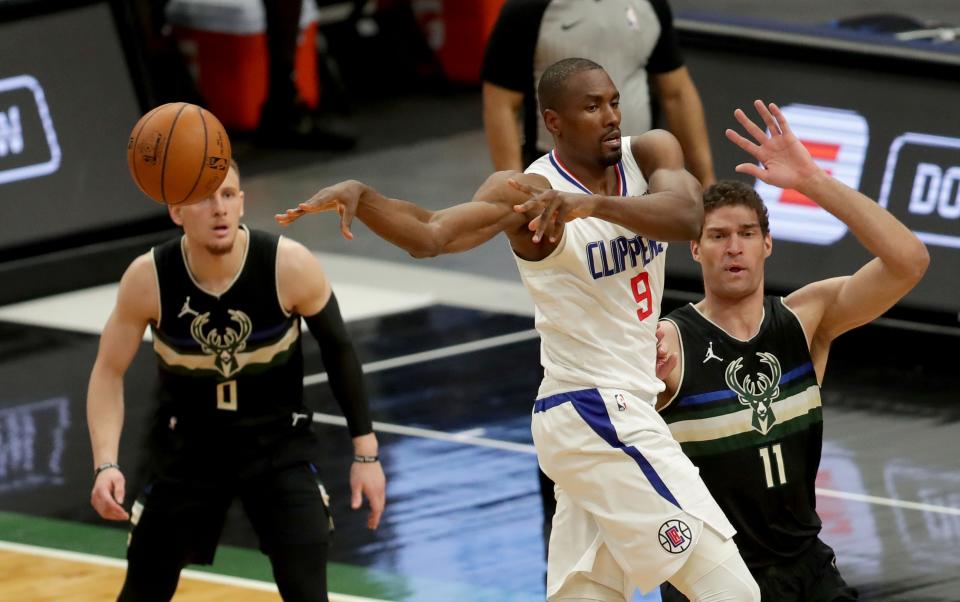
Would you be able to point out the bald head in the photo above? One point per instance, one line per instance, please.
(553, 83)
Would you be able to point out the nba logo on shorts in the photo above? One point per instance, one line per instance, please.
(28, 142)
(837, 140)
(675, 536)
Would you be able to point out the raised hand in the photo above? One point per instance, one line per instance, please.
(555, 207)
(343, 198)
(784, 161)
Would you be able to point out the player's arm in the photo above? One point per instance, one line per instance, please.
(683, 111)
(831, 307)
(501, 124)
(305, 290)
(670, 80)
(419, 231)
(507, 73)
(672, 209)
(669, 368)
(137, 304)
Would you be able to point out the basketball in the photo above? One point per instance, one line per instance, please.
(178, 153)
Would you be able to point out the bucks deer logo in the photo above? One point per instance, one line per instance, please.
(224, 347)
(757, 392)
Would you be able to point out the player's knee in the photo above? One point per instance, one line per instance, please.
(730, 582)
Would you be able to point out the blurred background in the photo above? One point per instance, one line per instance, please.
(389, 92)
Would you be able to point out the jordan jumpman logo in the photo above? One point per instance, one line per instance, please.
(186, 309)
(710, 354)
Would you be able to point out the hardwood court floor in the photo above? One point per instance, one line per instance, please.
(28, 576)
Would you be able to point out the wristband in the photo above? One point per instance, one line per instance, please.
(365, 459)
(104, 466)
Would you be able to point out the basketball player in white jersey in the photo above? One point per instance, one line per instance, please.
(631, 508)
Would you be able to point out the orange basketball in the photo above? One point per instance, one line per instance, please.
(178, 153)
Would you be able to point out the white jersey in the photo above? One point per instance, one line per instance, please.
(597, 296)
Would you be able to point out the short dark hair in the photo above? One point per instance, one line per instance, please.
(553, 81)
(726, 193)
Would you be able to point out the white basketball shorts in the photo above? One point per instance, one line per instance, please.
(622, 482)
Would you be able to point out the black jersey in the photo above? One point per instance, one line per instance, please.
(230, 366)
(748, 414)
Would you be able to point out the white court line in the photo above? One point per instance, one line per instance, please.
(475, 432)
(467, 438)
(413, 431)
(882, 501)
(188, 573)
(442, 352)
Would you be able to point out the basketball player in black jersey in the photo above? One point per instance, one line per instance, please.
(744, 398)
(224, 305)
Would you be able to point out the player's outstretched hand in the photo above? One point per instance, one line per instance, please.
(343, 198)
(784, 161)
(666, 358)
(367, 480)
(553, 208)
(107, 495)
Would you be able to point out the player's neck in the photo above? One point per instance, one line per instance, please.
(738, 317)
(597, 178)
(215, 272)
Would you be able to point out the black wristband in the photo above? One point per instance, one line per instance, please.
(365, 459)
(104, 466)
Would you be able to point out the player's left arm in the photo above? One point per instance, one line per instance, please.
(900, 261)
(305, 290)
(829, 308)
(673, 207)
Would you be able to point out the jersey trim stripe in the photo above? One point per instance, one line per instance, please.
(735, 423)
(590, 406)
(204, 361)
(568, 175)
(699, 398)
(753, 438)
(729, 407)
(156, 275)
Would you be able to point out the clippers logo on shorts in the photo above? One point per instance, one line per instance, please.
(675, 536)
(28, 142)
(837, 140)
(921, 186)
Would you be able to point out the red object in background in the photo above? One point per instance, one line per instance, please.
(818, 150)
(466, 25)
(231, 71)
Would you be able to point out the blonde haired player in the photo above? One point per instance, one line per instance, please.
(224, 304)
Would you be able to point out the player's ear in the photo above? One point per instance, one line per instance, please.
(240, 195)
(551, 119)
(175, 214)
(695, 250)
(767, 245)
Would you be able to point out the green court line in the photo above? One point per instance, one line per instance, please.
(111, 542)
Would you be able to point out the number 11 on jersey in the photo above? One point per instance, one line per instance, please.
(775, 458)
